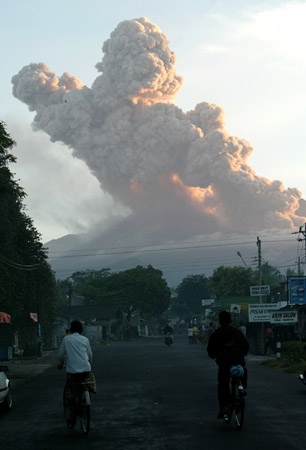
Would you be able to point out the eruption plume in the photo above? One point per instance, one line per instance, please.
(179, 173)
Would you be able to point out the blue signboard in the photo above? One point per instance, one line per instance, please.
(297, 291)
(216, 304)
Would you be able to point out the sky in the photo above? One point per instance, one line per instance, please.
(247, 57)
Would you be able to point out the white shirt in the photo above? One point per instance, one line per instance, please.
(78, 352)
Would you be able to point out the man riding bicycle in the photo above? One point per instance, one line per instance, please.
(228, 346)
(78, 354)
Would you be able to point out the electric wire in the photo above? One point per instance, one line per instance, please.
(15, 265)
(154, 250)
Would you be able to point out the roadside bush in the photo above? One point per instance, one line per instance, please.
(293, 352)
(292, 360)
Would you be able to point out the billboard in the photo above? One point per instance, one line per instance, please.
(235, 308)
(284, 317)
(256, 291)
(261, 312)
(297, 290)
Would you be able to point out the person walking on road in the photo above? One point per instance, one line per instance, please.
(242, 328)
(269, 340)
(195, 337)
(210, 329)
(228, 346)
(190, 335)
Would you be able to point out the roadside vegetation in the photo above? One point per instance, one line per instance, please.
(27, 283)
(292, 360)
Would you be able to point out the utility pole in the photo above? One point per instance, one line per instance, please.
(259, 266)
(303, 232)
(299, 266)
(70, 292)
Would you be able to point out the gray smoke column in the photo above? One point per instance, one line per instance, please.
(180, 173)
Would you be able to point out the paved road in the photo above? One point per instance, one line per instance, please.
(151, 397)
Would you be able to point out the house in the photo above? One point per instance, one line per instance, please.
(101, 322)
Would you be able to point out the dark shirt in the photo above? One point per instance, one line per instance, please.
(168, 329)
(228, 346)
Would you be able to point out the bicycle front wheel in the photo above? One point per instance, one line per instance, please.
(85, 419)
(238, 411)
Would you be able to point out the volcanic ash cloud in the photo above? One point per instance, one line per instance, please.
(175, 170)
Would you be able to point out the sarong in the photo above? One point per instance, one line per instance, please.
(71, 390)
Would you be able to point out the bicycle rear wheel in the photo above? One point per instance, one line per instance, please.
(85, 412)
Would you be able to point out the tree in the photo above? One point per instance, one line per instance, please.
(294, 273)
(231, 281)
(191, 291)
(142, 289)
(269, 275)
(27, 283)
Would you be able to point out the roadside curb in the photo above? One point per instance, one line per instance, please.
(259, 358)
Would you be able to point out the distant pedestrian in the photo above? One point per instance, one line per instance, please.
(202, 334)
(269, 340)
(210, 329)
(67, 333)
(195, 331)
(242, 328)
(190, 335)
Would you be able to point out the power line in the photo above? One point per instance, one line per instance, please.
(154, 250)
(171, 244)
(15, 265)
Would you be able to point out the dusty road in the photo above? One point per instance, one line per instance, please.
(151, 397)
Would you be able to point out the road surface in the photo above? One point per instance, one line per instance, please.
(151, 397)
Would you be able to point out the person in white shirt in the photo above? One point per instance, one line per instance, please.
(76, 350)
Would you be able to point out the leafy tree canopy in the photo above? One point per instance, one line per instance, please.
(269, 275)
(27, 283)
(231, 281)
(191, 291)
(140, 288)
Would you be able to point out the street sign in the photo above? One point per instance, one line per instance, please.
(216, 304)
(284, 317)
(256, 291)
(297, 291)
(235, 308)
(207, 301)
(261, 312)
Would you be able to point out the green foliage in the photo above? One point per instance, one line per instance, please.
(27, 283)
(81, 279)
(293, 273)
(293, 351)
(191, 291)
(231, 281)
(142, 289)
(270, 275)
(292, 360)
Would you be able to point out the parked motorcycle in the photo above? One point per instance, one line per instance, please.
(168, 339)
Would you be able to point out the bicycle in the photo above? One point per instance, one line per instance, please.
(81, 408)
(76, 400)
(236, 407)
